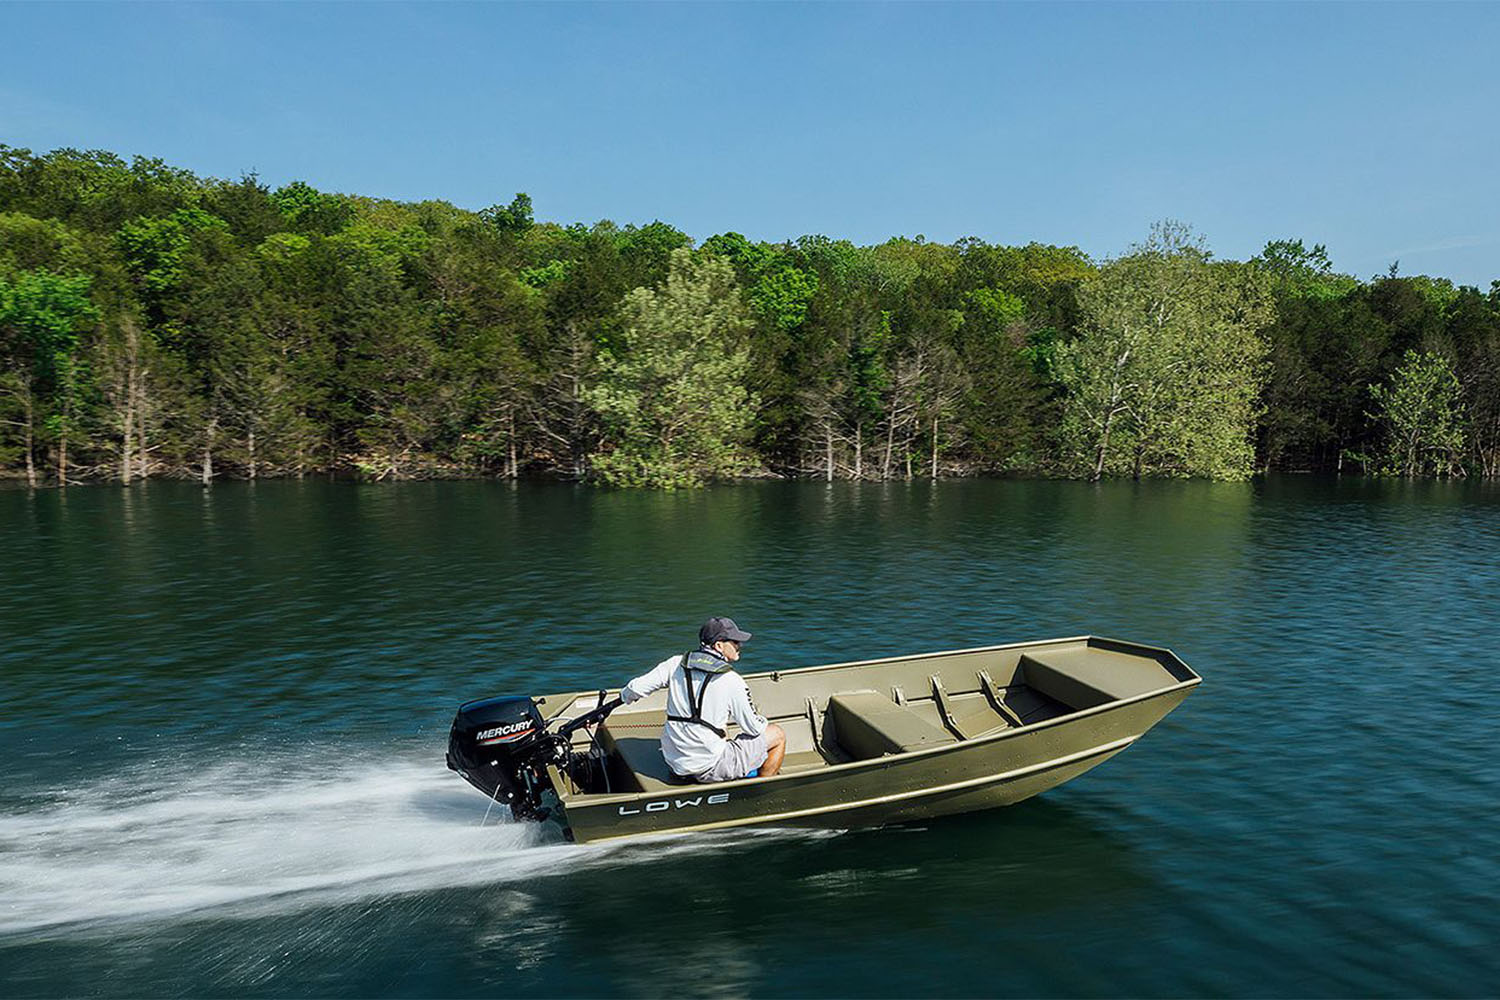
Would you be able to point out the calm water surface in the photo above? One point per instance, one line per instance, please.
(223, 716)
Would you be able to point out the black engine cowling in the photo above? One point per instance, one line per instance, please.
(502, 747)
(498, 746)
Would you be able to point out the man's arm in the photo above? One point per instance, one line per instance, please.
(654, 680)
(742, 709)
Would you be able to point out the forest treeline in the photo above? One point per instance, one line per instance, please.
(155, 323)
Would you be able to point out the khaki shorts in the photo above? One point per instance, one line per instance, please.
(741, 755)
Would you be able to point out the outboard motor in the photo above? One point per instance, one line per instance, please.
(501, 746)
(491, 746)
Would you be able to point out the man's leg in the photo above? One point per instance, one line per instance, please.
(776, 744)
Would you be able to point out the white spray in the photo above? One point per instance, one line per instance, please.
(272, 832)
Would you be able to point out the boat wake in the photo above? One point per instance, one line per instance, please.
(263, 836)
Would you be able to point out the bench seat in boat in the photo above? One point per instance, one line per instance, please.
(868, 725)
(642, 757)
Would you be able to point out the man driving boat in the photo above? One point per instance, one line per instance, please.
(703, 694)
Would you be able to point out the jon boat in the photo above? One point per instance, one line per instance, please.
(868, 743)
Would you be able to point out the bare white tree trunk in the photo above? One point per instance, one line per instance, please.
(127, 425)
(62, 455)
(510, 443)
(30, 443)
(208, 448)
(129, 428)
(934, 447)
(1109, 420)
(144, 468)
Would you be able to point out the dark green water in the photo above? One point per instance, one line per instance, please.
(223, 716)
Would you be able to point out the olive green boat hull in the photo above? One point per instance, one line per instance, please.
(1090, 698)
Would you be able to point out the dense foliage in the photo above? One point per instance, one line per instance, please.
(156, 323)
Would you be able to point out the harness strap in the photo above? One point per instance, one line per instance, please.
(695, 704)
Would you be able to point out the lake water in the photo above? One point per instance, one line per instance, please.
(223, 717)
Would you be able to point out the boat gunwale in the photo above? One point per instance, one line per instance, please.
(915, 794)
(1088, 638)
(887, 760)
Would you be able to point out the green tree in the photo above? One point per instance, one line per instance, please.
(300, 289)
(386, 397)
(670, 392)
(28, 244)
(93, 190)
(1163, 378)
(484, 313)
(1045, 277)
(512, 218)
(153, 250)
(309, 210)
(579, 302)
(211, 325)
(1420, 408)
(780, 289)
(1004, 357)
(844, 377)
(41, 317)
(246, 207)
(1018, 303)
(1296, 270)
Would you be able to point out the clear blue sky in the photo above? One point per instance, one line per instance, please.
(1372, 128)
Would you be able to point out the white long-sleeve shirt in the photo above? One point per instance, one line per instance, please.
(691, 749)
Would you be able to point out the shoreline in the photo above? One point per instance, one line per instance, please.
(10, 480)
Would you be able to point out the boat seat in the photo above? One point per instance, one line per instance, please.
(868, 724)
(642, 756)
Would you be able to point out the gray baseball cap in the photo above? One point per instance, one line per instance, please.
(718, 628)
